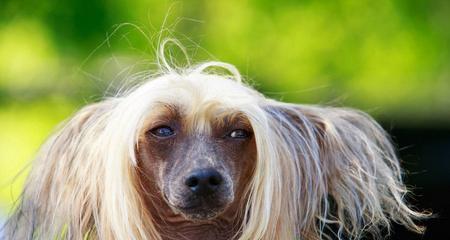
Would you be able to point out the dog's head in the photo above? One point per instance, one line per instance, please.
(201, 146)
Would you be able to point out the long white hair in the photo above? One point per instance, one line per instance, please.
(321, 172)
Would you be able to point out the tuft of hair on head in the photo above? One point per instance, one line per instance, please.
(321, 172)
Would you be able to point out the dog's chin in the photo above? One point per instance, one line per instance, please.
(200, 212)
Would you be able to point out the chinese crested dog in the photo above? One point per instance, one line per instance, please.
(193, 154)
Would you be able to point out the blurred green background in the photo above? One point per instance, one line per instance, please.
(388, 57)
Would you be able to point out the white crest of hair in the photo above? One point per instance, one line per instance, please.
(321, 172)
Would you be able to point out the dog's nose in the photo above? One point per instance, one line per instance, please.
(204, 181)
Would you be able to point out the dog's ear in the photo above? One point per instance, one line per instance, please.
(348, 175)
(56, 191)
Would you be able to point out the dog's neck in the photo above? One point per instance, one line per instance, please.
(202, 231)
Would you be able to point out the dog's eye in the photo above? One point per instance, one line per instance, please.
(239, 133)
(162, 131)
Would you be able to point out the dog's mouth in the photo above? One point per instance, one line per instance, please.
(198, 208)
(201, 212)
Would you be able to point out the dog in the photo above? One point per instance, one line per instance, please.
(194, 154)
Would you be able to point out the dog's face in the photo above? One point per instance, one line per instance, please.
(198, 162)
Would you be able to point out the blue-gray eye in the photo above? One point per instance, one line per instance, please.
(239, 133)
(163, 131)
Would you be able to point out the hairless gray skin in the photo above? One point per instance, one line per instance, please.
(193, 182)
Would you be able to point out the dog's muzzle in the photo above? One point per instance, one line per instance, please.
(203, 194)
